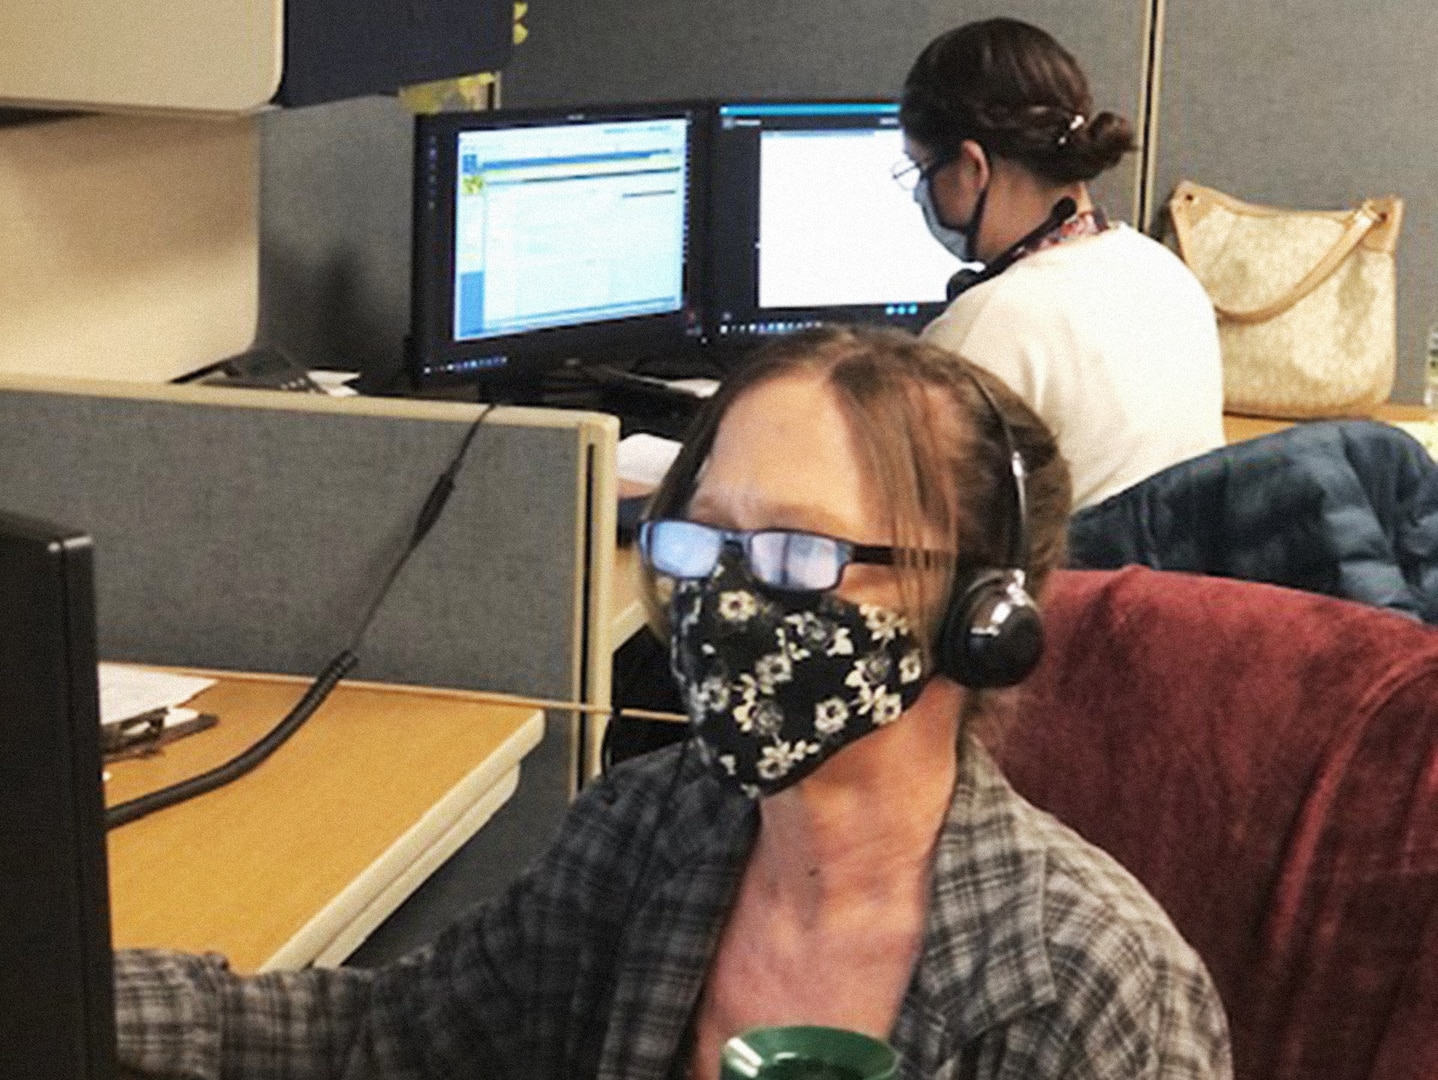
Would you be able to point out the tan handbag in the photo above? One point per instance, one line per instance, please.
(1305, 300)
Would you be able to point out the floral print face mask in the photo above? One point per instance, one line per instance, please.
(777, 683)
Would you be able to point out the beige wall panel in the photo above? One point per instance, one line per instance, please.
(130, 245)
(214, 55)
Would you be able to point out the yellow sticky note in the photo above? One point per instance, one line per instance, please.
(467, 92)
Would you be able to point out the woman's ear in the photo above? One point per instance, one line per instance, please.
(974, 164)
(956, 187)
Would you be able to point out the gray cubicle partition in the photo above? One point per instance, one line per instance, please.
(1315, 104)
(652, 50)
(250, 530)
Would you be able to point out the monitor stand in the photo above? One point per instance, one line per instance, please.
(642, 401)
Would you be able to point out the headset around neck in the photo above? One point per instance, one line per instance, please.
(966, 277)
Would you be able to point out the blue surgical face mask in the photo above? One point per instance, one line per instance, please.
(957, 242)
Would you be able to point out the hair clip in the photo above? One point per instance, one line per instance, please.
(1074, 124)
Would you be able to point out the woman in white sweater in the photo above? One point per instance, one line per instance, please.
(1102, 330)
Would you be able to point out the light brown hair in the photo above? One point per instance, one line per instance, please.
(931, 442)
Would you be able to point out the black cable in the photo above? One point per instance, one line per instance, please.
(326, 681)
(243, 762)
(434, 504)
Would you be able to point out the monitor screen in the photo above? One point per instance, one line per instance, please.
(808, 226)
(56, 1003)
(545, 235)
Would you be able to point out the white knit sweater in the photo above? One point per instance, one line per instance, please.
(1113, 342)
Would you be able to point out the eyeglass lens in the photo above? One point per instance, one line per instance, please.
(778, 558)
(789, 560)
(909, 174)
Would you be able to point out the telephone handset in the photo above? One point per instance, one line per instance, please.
(261, 368)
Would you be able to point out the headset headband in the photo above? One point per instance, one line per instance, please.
(1018, 530)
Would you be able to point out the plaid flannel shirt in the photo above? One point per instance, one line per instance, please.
(1041, 958)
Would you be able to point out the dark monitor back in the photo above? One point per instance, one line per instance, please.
(56, 1000)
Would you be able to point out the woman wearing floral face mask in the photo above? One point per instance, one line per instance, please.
(1102, 330)
(830, 847)
(807, 544)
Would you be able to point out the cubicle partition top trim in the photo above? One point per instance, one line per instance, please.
(237, 397)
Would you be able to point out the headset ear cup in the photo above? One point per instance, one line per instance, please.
(992, 635)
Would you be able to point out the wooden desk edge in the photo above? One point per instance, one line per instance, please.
(333, 931)
(1238, 427)
(481, 697)
(338, 928)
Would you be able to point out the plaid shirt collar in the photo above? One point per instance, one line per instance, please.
(984, 959)
(985, 956)
(672, 937)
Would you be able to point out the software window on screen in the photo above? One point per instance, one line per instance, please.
(561, 225)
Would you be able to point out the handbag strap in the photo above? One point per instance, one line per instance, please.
(1366, 217)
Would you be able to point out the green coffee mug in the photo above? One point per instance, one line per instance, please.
(806, 1053)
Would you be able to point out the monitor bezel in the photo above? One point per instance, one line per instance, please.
(516, 364)
(56, 988)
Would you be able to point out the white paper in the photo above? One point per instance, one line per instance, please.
(127, 690)
(700, 388)
(333, 382)
(179, 715)
(644, 458)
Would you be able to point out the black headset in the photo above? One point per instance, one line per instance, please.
(966, 277)
(991, 634)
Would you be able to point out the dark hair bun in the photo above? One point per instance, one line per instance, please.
(1091, 148)
(1017, 92)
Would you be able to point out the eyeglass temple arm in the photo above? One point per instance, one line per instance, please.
(884, 555)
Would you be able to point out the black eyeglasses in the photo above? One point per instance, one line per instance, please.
(780, 558)
(909, 174)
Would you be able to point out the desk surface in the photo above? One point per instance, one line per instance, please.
(299, 860)
(1237, 428)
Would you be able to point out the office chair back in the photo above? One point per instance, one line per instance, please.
(1265, 761)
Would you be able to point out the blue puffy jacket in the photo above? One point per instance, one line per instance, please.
(1343, 507)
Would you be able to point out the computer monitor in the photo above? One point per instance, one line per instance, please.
(56, 1001)
(807, 225)
(545, 235)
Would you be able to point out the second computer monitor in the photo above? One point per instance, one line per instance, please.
(807, 225)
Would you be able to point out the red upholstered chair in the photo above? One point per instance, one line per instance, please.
(1266, 762)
